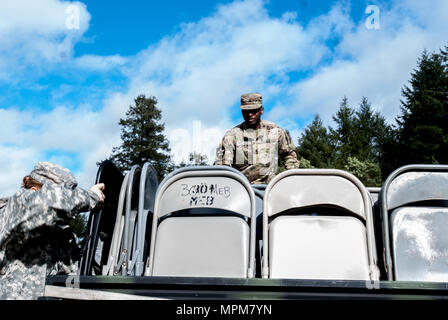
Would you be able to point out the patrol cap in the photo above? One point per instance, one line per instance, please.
(251, 101)
(48, 172)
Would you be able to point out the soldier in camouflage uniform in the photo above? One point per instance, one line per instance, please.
(35, 240)
(255, 146)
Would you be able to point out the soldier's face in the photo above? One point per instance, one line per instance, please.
(252, 117)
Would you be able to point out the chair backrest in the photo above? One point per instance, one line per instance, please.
(131, 209)
(120, 253)
(336, 242)
(100, 223)
(204, 224)
(114, 252)
(148, 187)
(414, 207)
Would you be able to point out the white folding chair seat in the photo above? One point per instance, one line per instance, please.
(335, 243)
(204, 224)
(308, 247)
(420, 243)
(202, 247)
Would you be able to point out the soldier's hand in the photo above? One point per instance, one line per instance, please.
(98, 189)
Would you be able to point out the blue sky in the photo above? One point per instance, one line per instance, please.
(66, 79)
(139, 24)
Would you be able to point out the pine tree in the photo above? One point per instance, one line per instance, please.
(422, 125)
(142, 138)
(370, 128)
(342, 136)
(389, 154)
(358, 139)
(315, 145)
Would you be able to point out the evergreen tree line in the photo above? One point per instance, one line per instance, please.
(362, 142)
(353, 145)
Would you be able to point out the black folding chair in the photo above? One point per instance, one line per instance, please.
(101, 221)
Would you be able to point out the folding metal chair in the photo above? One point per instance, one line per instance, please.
(148, 187)
(131, 208)
(317, 224)
(100, 224)
(414, 206)
(124, 229)
(204, 224)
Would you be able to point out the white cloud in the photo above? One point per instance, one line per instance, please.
(375, 63)
(200, 72)
(26, 137)
(100, 63)
(35, 35)
(44, 17)
(15, 163)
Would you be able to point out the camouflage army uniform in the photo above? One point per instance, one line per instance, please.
(34, 238)
(255, 152)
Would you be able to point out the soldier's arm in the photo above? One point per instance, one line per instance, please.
(287, 151)
(47, 206)
(225, 151)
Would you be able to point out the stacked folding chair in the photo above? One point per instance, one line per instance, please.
(100, 227)
(117, 263)
(147, 189)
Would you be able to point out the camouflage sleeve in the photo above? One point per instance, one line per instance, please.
(29, 209)
(225, 150)
(287, 150)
